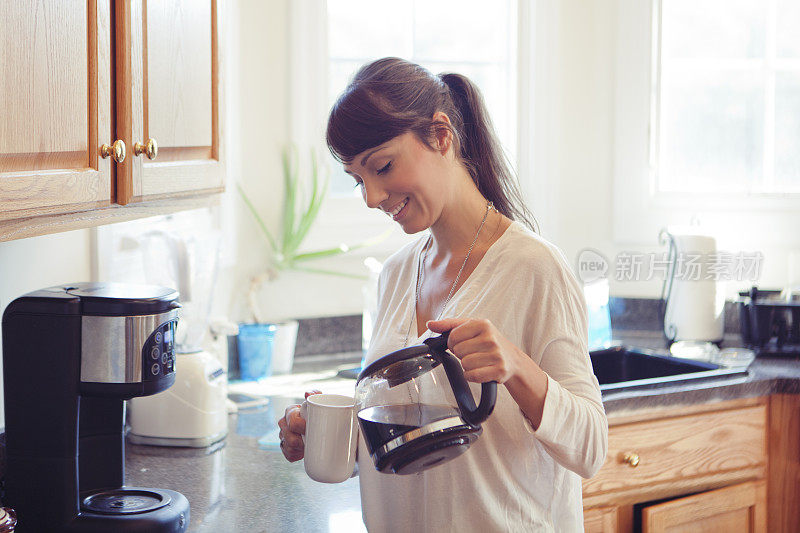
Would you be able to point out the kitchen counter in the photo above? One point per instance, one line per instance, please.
(245, 484)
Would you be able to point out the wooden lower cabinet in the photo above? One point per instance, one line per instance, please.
(703, 467)
(601, 520)
(739, 508)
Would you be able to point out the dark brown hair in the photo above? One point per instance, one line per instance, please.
(391, 96)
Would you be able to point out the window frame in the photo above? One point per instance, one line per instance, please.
(639, 211)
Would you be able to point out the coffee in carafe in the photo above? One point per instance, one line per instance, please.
(416, 410)
(383, 423)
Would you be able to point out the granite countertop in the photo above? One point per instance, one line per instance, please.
(244, 484)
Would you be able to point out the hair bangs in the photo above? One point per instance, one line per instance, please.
(360, 120)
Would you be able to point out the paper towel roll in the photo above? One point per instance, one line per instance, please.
(696, 301)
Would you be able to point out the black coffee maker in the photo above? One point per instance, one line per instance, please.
(71, 356)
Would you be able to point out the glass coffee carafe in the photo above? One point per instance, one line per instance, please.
(416, 410)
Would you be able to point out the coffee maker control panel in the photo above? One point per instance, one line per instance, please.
(158, 359)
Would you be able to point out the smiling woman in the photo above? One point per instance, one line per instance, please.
(422, 149)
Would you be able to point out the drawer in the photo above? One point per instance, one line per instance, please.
(679, 448)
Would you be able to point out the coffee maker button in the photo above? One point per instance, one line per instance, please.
(154, 369)
(163, 358)
(155, 353)
(158, 337)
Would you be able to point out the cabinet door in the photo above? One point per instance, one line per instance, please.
(739, 508)
(169, 90)
(55, 104)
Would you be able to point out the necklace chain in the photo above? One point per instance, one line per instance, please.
(421, 271)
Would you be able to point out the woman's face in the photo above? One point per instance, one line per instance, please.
(403, 178)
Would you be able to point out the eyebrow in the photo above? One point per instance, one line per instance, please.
(369, 154)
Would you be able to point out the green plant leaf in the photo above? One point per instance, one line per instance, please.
(290, 198)
(342, 248)
(258, 218)
(315, 203)
(331, 273)
(299, 216)
(319, 254)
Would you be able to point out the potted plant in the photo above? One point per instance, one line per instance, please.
(300, 210)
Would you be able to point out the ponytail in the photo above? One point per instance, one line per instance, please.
(481, 151)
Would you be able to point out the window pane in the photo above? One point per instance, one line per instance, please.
(473, 30)
(788, 38)
(370, 29)
(712, 29)
(711, 130)
(787, 131)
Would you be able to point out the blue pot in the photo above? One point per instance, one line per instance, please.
(254, 345)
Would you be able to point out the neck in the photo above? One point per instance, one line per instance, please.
(456, 228)
(463, 212)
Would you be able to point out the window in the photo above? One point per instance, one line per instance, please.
(499, 45)
(471, 37)
(707, 120)
(728, 96)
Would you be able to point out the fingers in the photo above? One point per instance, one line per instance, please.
(483, 367)
(470, 329)
(474, 345)
(292, 428)
(485, 374)
(446, 324)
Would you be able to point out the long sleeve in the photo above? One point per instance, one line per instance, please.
(574, 428)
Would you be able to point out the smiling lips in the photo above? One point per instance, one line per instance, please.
(396, 211)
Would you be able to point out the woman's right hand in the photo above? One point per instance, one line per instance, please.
(292, 428)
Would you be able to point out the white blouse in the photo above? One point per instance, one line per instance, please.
(512, 478)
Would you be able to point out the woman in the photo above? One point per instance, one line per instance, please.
(421, 148)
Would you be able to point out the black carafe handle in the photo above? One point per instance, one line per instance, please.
(455, 375)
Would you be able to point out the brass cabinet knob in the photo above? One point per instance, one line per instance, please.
(150, 149)
(631, 459)
(116, 151)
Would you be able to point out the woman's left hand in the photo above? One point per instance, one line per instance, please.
(485, 353)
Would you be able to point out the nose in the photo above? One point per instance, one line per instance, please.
(373, 194)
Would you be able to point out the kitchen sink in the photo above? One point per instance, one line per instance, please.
(619, 368)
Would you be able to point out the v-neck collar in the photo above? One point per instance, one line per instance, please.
(459, 291)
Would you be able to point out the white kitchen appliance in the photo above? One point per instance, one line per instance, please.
(193, 412)
(693, 295)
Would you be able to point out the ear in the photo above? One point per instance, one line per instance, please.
(444, 136)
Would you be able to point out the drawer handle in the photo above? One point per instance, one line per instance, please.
(116, 151)
(631, 459)
(150, 149)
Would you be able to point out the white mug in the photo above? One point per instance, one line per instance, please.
(331, 438)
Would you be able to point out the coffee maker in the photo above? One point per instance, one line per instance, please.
(71, 356)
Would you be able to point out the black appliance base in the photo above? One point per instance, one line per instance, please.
(173, 517)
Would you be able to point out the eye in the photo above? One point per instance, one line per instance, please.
(385, 168)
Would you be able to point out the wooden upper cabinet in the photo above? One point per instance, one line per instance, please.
(55, 104)
(168, 89)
